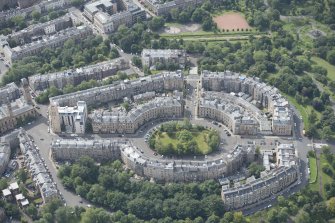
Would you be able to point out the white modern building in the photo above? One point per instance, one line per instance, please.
(108, 15)
(68, 119)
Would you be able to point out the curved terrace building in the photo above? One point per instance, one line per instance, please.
(129, 122)
(251, 95)
(161, 170)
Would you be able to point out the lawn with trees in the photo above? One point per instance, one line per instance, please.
(110, 186)
(183, 138)
(73, 54)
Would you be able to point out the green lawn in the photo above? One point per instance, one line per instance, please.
(325, 178)
(313, 170)
(303, 26)
(199, 137)
(330, 68)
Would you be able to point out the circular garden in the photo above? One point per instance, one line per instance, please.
(183, 138)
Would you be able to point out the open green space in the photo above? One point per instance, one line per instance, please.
(183, 138)
(330, 68)
(326, 179)
(302, 27)
(304, 110)
(313, 170)
(199, 138)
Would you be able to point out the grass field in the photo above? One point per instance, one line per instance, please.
(330, 68)
(325, 178)
(313, 170)
(199, 137)
(302, 27)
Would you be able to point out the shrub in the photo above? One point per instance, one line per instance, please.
(311, 153)
(327, 170)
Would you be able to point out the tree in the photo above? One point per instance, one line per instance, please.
(213, 205)
(331, 56)
(318, 104)
(52, 15)
(126, 106)
(65, 214)
(207, 24)
(77, 3)
(137, 61)
(156, 23)
(311, 153)
(22, 175)
(114, 53)
(122, 75)
(97, 215)
(184, 135)
(3, 184)
(36, 15)
(312, 117)
(331, 206)
(32, 211)
(255, 169)
(19, 21)
(327, 133)
(198, 15)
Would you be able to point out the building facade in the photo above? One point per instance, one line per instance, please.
(159, 8)
(42, 7)
(4, 156)
(36, 31)
(129, 122)
(68, 119)
(254, 93)
(7, 4)
(158, 169)
(9, 93)
(16, 112)
(165, 81)
(33, 48)
(255, 191)
(108, 15)
(151, 57)
(36, 167)
(100, 150)
(74, 77)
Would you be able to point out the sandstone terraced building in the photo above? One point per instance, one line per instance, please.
(255, 95)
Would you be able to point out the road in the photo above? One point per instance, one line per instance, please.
(39, 131)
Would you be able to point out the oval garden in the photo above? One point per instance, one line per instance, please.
(183, 138)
